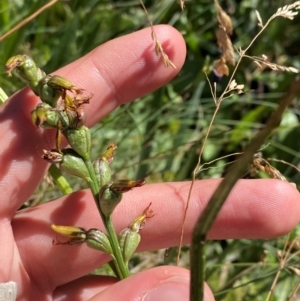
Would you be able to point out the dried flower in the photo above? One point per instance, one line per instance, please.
(221, 67)
(94, 238)
(223, 19)
(260, 22)
(24, 67)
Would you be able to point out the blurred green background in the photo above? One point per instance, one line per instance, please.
(159, 136)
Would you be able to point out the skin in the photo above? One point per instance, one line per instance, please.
(255, 208)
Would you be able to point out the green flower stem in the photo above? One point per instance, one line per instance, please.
(93, 184)
(113, 266)
(3, 96)
(120, 264)
(121, 267)
(60, 180)
(216, 202)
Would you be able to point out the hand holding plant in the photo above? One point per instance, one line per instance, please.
(43, 271)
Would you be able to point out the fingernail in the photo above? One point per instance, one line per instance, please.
(174, 288)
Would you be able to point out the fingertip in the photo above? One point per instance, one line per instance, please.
(135, 56)
(208, 294)
(259, 209)
(126, 68)
(170, 36)
(284, 213)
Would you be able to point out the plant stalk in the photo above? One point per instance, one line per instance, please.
(120, 264)
(216, 202)
(3, 96)
(118, 260)
(60, 180)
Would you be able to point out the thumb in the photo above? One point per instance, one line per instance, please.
(165, 283)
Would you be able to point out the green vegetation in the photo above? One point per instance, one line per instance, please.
(161, 134)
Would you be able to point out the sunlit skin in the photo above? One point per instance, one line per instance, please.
(117, 72)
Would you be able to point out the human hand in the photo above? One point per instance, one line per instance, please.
(116, 72)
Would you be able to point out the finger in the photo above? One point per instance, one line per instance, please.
(116, 72)
(126, 68)
(161, 283)
(83, 288)
(255, 209)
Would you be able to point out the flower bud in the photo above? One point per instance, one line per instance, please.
(98, 240)
(48, 94)
(44, 116)
(101, 166)
(80, 141)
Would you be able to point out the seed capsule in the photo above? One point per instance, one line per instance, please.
(108, 200)
(102, 171)
(24, 67)
(73, 164)
(80, 141)
(98, 240)
(101, 166)
(130, 238)
(129, 242)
